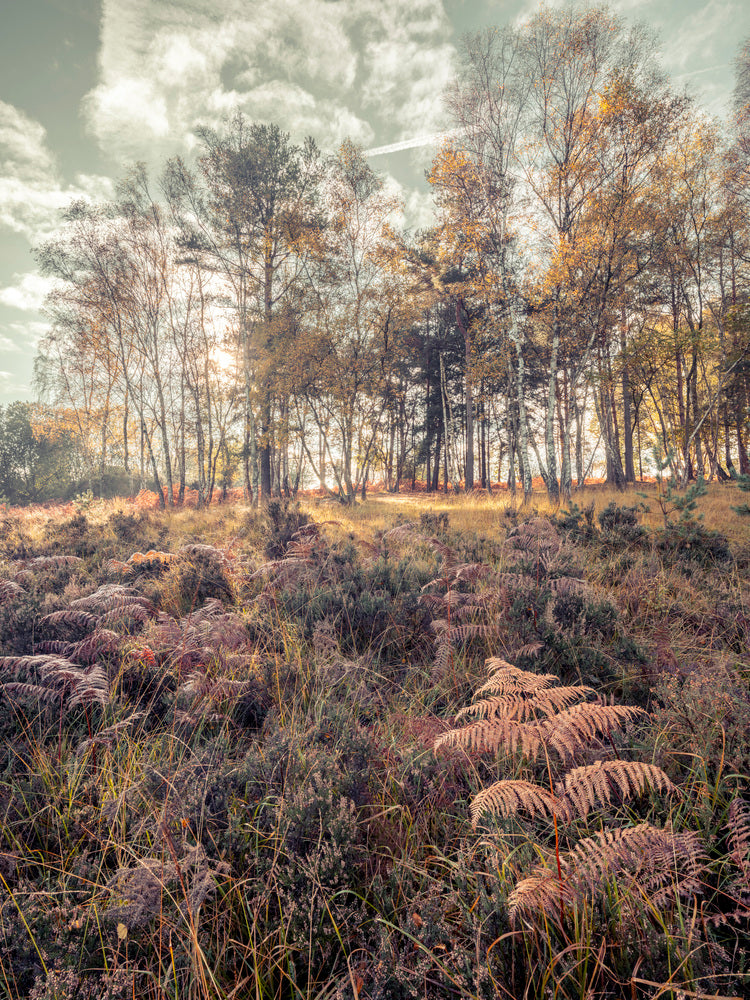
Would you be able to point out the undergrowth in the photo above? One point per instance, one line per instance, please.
(219, 775)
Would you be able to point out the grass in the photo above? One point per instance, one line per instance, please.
(253, 806)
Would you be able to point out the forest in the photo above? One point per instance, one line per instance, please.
(260, 317)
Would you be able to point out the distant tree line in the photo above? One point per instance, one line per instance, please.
(258, 317)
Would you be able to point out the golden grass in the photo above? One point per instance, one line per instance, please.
(486, 514)
(478, 513)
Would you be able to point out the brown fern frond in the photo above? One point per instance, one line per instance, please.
(93, 686)
(541, 892)
(116, 567)
(36, 692)
(738, 824)
(110, 734)
(200, 551)
(506, 798)
(452, 599)
(460, 573)
(531, 649)
(411, 530)
(573, 728)
(72, 618)
(45, 562)
(471, 630)
(109, 602)
(100, 641)
(585, 788)
(9, 590)
(657, 863)
(439, 627)
(151, 557)
(402, 532)
(494, 735)
(117, 614)
(17, 664)
(507, 679)
(524, 705)
(443, 651)
(59, 647)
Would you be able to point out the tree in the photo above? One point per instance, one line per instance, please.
(36, 453)
(251, 222)
(345, 350)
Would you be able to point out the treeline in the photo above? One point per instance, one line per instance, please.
(581, 299)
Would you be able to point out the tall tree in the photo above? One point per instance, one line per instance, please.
(251, 221)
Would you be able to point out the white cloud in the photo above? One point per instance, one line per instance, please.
(339, 69)
(410, 59)
(165, 67)
(31, 192)
(28, 293)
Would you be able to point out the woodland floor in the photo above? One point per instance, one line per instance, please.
(218, 771)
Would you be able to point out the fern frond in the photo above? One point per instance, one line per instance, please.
(738, 823)
(471, 630)
(443, 651)
(573, 728)
(541, 892)
(657, 863)
(93, 686)
(72, 618)
(506, 798)
(460, 573)
(494, 735)
(59, 647)
(37, 692)
(507, 679)
(531, 649)
(109, 602)
(16, 664)
(9, 590)
(152, 556)
(524, 705)
(45, 562)
(117, 614)
(199, 550)
(584, 788)
(116, 567)
(108, 735)
(100, 641)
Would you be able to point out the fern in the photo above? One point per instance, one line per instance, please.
(584, 788)
(519, 711)
(521, 706)
(56, 679)
(107, 736)
(9, 590)
(72, 618)
(507, 798)
(571, 730)
(645, 860)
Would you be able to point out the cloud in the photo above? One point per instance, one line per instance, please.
(32, 194)
(332, 70)
(695, 37)
(410, 58)
(29, 292)
(165, 67)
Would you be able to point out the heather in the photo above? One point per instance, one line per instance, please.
(413, 747)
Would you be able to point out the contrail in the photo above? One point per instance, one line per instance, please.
(422, 140)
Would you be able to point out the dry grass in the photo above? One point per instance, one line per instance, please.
(260, 785)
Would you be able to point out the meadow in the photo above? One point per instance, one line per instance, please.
(424, 746)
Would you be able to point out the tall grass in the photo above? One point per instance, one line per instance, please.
(252, 805)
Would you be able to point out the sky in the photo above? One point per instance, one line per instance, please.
(89, 87)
